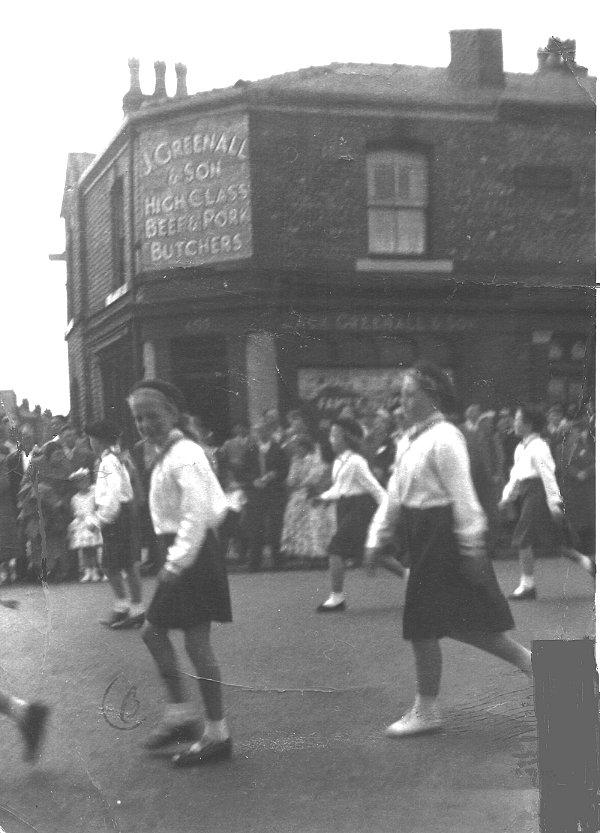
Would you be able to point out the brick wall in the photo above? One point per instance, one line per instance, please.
(309, 188)
(98, 231)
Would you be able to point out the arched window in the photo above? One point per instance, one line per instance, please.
(397, 196)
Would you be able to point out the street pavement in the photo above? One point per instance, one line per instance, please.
(308, 697)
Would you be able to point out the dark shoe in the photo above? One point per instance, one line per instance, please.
(149, 568)
(167, 735)
(129, 622)
(33, 726)
(115, 616)
(216, 750)
(338, 608)
(524, 595)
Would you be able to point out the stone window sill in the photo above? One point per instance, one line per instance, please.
(403, 265)
(118, 293)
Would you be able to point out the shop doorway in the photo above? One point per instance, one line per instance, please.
(115, 371)
(200, 370)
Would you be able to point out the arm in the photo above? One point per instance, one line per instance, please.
(453, 468)
(108, 485)
(542, 461)
(363, 474)
(203, 506)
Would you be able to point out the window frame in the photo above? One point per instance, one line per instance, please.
(394, 151)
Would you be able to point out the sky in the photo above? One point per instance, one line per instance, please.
(65, 68)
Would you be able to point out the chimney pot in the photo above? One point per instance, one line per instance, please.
(181, 73)
(133, 98)
(160, 89)
(477, 57)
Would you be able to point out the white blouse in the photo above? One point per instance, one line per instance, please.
(112, 488)
(533, 459)
(351, 477)
(431, 470)
(186, 500)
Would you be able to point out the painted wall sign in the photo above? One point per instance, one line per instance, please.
(193, 192)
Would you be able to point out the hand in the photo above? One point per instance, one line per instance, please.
(557, 512)
(167, 576)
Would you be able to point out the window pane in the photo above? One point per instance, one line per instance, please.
(382, 188)
(382, 231)
(410, 232)
(411, 178)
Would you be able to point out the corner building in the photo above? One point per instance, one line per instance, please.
(302, 238)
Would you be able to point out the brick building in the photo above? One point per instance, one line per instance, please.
(303, 237)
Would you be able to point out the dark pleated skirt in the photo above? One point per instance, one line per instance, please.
(353, 517)
(441, 598)
(198, 595)
(535, 526)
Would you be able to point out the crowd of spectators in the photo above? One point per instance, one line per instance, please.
(270, 472)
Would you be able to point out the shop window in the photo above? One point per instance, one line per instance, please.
(397, 196)
(117, 215)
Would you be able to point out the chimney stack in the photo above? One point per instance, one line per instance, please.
(133, 98)
(181, 73)
(160, 90)
(559, 56)
(476, 57)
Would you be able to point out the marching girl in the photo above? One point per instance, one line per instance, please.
(115, 517)
(532, 486)
(356, 493)
(452, 590)
(187, 505)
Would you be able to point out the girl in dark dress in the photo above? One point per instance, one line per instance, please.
(187, 505)
(452, 590)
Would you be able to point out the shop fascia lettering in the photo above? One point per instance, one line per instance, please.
(375, 323)
(217, 144)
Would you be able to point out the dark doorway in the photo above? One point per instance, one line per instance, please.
(200, 369)
(115, 371)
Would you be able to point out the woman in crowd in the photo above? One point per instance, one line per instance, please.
(115, 517)
(187, 505)
(579, 483)
(452, 590)
(307, 529)
(533, 488)
(356, 494)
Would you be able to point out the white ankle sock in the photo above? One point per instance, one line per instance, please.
(334, 599)
(120, 605)
(215, 730)
(527, 583)
(136, 609)
(177, 713)
(425, 703)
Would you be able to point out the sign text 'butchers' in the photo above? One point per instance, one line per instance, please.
(193, 195)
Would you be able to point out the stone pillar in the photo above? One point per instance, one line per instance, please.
(261, 370)
(149, 360)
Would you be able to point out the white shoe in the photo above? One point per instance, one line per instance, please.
(87, 576)
(415, 723)
(96, 576)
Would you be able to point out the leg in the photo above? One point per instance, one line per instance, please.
(499, 645)
(31, 719)
(199, 650)
(215, 744)
(579, 558)
(135, 584)
(526, 588)
(178, 723)
(424, 716)
(336, 599)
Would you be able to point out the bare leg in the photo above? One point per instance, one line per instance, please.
(158, 643)
(527, 562)
(199, 650)
(135, 584)
(336, 573)
(116, 582)
(500, 645)
(428, 659)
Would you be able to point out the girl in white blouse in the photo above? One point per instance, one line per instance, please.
(187, 505)
(356, 494)
(431, 504)
(532, 486)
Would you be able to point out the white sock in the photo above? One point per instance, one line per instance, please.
(121, 605)
(425, 703)
(334, 599)
(215, 730)
(527, 583)
(177, 713)
(136, 609)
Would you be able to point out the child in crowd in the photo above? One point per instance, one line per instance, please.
(84, 536)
